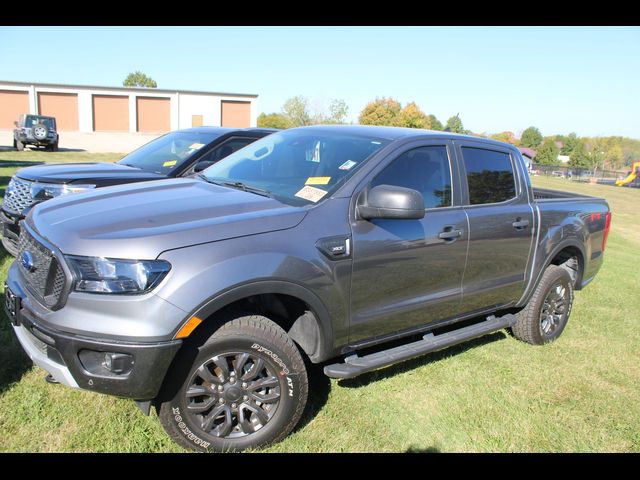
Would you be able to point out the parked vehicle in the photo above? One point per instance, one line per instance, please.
(36, 130)
(202, 297)
(177, 154)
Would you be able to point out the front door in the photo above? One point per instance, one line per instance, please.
(408, 273)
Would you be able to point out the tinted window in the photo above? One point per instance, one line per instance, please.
(424, 169)
(489, 175)
(227, 148)
(33, 120)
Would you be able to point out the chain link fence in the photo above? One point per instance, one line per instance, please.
(578, 174)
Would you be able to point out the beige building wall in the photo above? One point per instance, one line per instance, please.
(63, 106)
(110, 113)
(154, 114)
(12, 105)
(235, 114)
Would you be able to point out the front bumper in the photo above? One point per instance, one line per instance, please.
(76, 360)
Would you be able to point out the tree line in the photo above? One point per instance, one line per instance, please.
(613, 152)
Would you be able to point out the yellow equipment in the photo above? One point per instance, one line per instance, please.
(635, 172)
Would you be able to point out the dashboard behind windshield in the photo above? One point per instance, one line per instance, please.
(299, 166)
(168, 152)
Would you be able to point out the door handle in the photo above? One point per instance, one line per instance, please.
(520, 224)
(450, 234)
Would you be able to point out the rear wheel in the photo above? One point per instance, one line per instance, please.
(246, 388)
(547, 313)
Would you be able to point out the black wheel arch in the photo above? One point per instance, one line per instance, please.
(312, 330)
(568, 248)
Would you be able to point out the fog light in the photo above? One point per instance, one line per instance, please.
(119, 363)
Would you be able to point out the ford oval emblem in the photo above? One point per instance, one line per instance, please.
(26, 259)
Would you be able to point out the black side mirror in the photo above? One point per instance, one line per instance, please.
(388, 201)
(200, 166)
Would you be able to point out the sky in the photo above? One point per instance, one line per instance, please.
(559, 79)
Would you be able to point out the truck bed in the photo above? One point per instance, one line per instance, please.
(542, 194)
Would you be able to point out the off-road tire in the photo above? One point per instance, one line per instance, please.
(42, 128)
(19, 145)
(260, 337)
(530, 326)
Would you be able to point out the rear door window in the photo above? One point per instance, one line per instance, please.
(490, 175)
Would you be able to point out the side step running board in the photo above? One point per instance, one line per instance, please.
(354, 365)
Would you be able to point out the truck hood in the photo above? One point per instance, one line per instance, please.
(99, 174)
(142, 220)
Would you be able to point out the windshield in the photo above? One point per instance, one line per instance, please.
(297, 167)
(168, 152)
(33, 120)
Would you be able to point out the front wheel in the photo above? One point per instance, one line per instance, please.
(246, 388)
(548, 310)
(19, 145)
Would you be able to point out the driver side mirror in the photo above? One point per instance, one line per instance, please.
(391, 202)
(200, 166)
(15, 122)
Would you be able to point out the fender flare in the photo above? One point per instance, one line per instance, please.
(570, 242)
(317, 322)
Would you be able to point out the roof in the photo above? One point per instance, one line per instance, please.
(395, 133)
(127, 89)
(222, 130)
(527, 152)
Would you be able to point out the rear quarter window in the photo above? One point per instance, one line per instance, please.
(490, 175)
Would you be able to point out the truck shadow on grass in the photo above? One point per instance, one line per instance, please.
(17, 163)
(392, 370)
(320, 384)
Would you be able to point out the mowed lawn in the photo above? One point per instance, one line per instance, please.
(495, 394)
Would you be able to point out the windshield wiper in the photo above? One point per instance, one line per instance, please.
(238, 185)
(128, 165)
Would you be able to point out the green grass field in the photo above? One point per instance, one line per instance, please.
(495, 394)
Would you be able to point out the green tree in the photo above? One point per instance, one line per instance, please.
(615, 157)
(412, 117)
(597, 150)
(531, 138)
(273, 120)
(381, 111)
(296, 109)
(338, 110)
(579, 156)
(547, 154)
(435, 124)
(454, 125)
(139, 79)
(568, 143)
(507, 137)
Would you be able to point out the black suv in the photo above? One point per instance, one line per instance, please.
(176, 154)
(35, 130)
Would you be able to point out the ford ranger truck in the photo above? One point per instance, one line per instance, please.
(204, 297)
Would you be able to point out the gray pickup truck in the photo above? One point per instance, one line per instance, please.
(204, 297)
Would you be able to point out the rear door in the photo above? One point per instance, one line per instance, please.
(408, 273)
(500, 225)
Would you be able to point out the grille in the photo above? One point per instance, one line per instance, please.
(18, 196)
(46, 279)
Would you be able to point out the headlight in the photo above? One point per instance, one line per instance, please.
(108, 275)
(45, 191)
